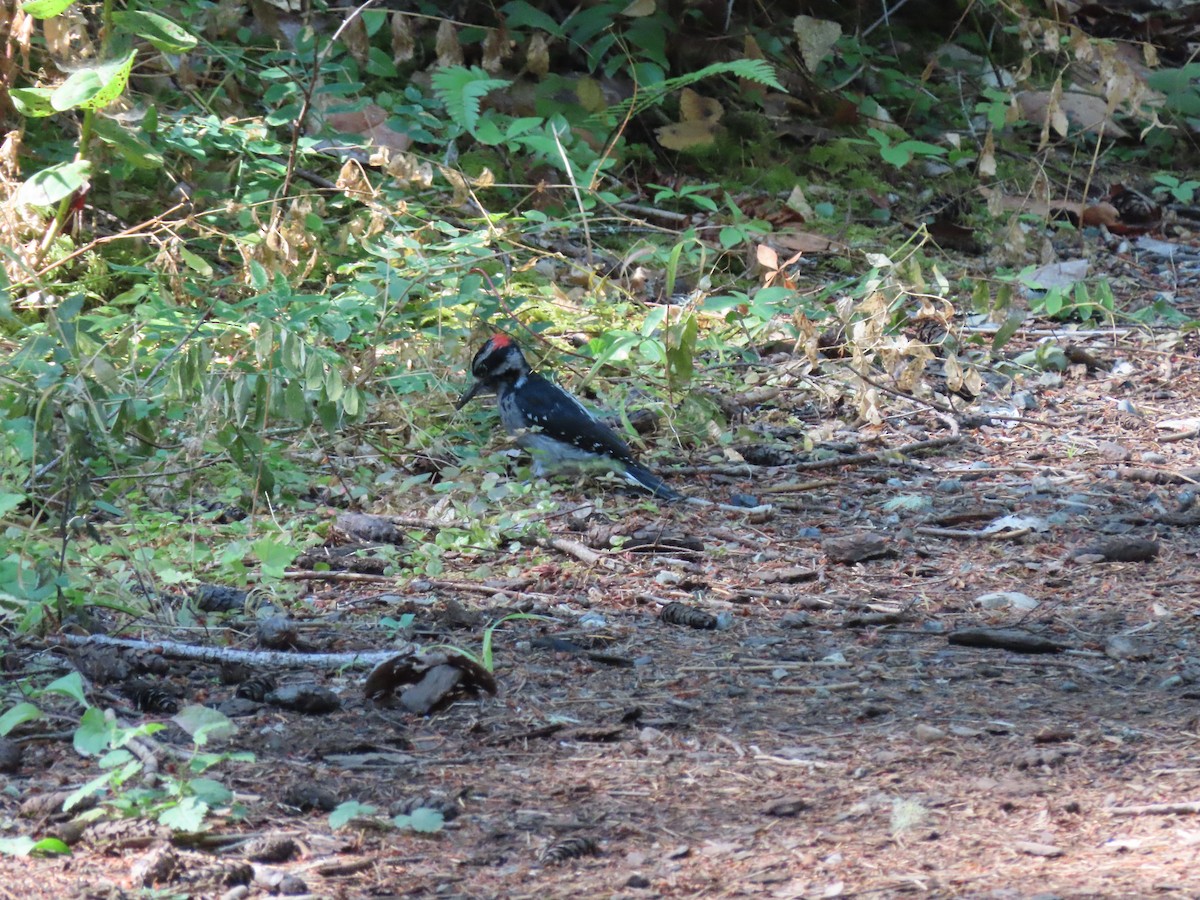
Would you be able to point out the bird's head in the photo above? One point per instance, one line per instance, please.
(498, 361)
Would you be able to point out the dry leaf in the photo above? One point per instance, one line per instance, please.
(537, 56)
(353, 181)
(403, 42)
(806, 242)
(370, 122)
(767, 257)
(798, 203)
(987, 157)
(462, 192)
(687, 135)
(354, 36)
(67, 36)
(496, 48)
(639, 8)
(695, 108)
(815, 38)
(484, 179)
(449, 52)
(1085, 111)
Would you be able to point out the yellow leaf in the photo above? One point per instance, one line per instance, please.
(589, 94)
(687, 135)
(694, 108)
(537, 56)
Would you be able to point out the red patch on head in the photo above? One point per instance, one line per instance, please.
(500, 341)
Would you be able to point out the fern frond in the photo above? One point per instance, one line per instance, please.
(756, 70)
(460, 89)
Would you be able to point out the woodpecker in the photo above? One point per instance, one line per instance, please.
(547, 421)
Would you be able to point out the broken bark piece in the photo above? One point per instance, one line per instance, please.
(791, 575)
(682, 614)
(363, 527)
(853, 548)
(1121, 549)
(434, 691)
(412, 669)
(1003, 639)
(310, 699)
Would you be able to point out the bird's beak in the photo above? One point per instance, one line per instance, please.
(475, 388)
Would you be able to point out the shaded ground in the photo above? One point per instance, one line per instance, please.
(830, 741)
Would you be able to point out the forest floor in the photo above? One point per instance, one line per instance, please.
(831, 739)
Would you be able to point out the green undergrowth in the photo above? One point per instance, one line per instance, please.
(224, 318)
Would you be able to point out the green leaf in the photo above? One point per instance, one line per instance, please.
(9, 502)
(94, 87)
(17, 846)
(187, 815)
(128, 144)
(69, 686)
(274, 556)
(49, 186)
(681, 351)
(93, 734)
(19, 714)
(203, 722)
(422, 820)
(50, 846)
(33, 102)
(46, 9)
(210, 791)
(348, 811)
(520, 14)
(460, 89)
(159, 31)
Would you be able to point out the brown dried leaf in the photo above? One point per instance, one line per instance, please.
(67, 36)
(1056, 108)
(987, 156)
(497, 47)
(403, 42)
(354, 36)
(449, 51)
(353, 181)
(461, 191)
(806, 242)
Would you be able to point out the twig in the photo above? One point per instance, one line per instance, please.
(259, 658)
(855, 458)
(579, 551)
(1157, 809)
(305, 575)
(963, 534)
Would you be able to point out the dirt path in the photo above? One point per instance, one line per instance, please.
(832, 740)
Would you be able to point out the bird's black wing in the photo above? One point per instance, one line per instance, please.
(560, 416)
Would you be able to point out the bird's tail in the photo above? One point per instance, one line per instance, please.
(644, 478)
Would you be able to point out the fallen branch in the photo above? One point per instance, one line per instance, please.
(855, 459)
(964, 534)
(1158, 809)
(264, 659)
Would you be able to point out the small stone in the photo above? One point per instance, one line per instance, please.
(1032, 848)
(746, 501)
(927, 734)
